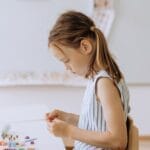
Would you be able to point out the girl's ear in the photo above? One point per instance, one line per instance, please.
(85, 46)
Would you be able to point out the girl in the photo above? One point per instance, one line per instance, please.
(81, 46)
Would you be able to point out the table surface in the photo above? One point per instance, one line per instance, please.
(34, 129)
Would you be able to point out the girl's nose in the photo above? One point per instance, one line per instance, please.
(68, 67)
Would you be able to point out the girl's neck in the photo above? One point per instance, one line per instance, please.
(94, 73)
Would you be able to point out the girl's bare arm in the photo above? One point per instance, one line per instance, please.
(73, 119)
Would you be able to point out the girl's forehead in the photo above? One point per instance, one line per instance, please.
(57, 51)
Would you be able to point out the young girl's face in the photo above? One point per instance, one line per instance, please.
(75, 60)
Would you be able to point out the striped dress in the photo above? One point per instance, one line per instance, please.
(92, 117)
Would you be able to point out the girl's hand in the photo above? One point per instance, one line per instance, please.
(59, 128)
(64, 116)
(56, 114)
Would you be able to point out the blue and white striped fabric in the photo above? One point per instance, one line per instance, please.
(92, 117)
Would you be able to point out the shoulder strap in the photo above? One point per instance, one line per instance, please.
(101, 74)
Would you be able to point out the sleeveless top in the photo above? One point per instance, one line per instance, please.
(91, 116)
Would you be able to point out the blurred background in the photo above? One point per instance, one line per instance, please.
(30, 76)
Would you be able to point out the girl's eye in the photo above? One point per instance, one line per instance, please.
(66, 61)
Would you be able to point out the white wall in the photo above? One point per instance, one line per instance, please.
(67, 98)
(140, 102)
(24, 30)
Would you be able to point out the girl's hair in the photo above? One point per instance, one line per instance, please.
(71, 27)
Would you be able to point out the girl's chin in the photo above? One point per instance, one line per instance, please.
(75, 73)
(78, 74)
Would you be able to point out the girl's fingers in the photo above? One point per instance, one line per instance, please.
(46, 116)
(49, 126)
(51, 116)
(56, 120)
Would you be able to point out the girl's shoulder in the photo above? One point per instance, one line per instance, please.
(104, 74)
(104, 79)
(101, 74)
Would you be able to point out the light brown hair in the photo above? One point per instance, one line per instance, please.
(71, 27)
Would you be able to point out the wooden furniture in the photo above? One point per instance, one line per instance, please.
(133, 135)
(68, 143)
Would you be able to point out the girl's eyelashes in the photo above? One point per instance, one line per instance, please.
(66, 61)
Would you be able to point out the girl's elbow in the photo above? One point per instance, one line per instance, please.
(119, 143)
